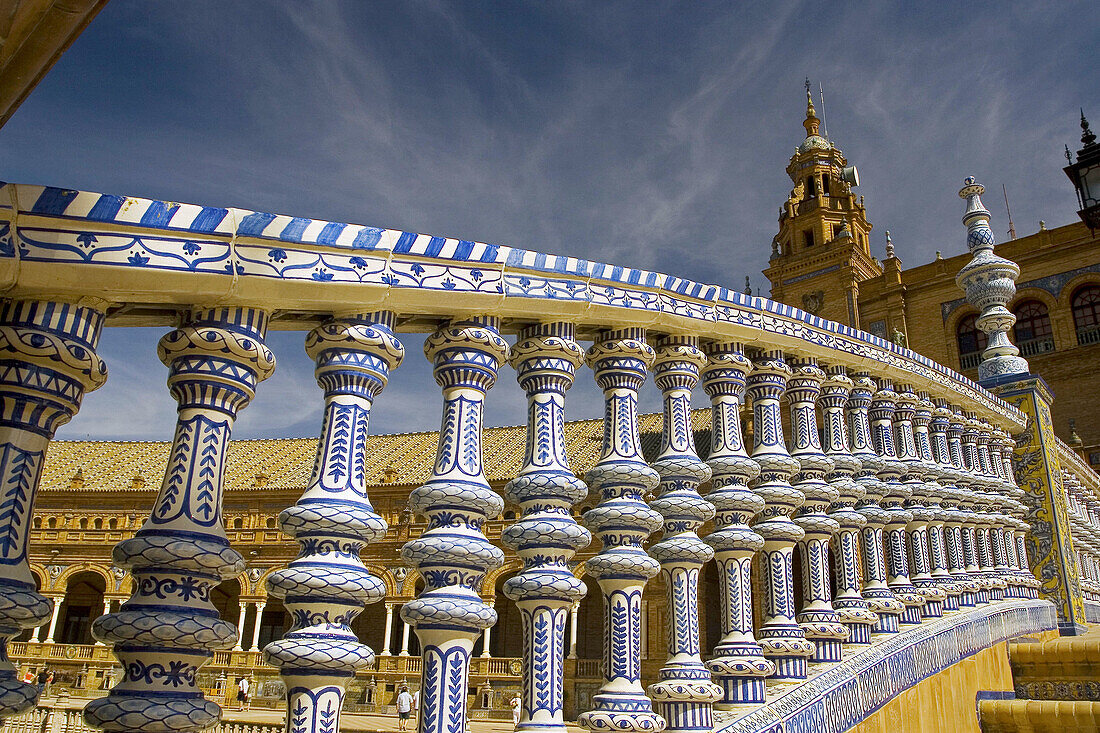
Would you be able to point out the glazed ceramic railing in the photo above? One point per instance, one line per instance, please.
(914, 466)
(1082, 485)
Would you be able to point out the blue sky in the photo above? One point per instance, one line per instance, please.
(646, 134)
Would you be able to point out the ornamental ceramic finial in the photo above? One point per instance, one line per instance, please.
(990, 283)
(811, 122)
(889, 245)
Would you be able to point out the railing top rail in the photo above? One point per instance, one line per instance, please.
(305, 268)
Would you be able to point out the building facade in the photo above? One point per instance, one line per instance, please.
(821, 262)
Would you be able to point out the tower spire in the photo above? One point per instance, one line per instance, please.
(812, 122)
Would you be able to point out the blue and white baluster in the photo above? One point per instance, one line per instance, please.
(782, 639)
(738, 663)
(894, 473)
(452, 555)
(817, 617)
(966, 576)
(169, 627)
(684, 696)
(974, 504)
(911, 428)
(995, 504)
(880, 599)
(327, 585)
(47, 363)
(851, 608)
(622, 521)
(546, 536)
(943, 541)
(938, 576)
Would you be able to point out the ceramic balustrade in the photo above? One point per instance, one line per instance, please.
(47, 363)
(880, 599)
(737, 663)
(622, 521)
(684, 694)
(851, 608)
(817, 618)
(783, 641)
(927, 497)
(546, 536)
(327, 585)
(453, 555)
(169, 627)
(894, 474)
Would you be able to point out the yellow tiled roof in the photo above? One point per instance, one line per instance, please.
(285, 463)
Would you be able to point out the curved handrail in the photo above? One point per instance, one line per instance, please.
(219, 256)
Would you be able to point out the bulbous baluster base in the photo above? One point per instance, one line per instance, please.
(686, 703)
(911, 615)
(827, 650)
(20, 608)
(933, 609)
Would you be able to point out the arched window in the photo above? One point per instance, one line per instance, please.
(1086, 314)
(1032, 332)
(972, 342)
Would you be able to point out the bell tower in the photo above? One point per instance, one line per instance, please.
(822, 251)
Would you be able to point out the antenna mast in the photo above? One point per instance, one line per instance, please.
(824, 121)
(1011, 226)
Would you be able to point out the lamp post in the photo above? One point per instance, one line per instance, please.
(1085, 175)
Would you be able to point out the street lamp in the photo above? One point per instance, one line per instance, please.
(1085, 175)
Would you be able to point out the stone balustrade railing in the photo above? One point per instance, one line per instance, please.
(915, 467)
(1082, 495)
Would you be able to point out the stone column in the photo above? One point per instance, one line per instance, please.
(911, 424)
(240, 626)
(782, 639)
(169, 627)
(622, 521)
(851, 609)
(1049, 544)
(880, 600)
(894, 473)
(405, 637)
(573, 629)
(256, 626)
(328, 585)
(388, 632)
(960, 544)
(54, 616)
(738, 662)
(47, 363)
(546, 537)
(452, 555)
(487, 636)
(684, 695)
(817, 617)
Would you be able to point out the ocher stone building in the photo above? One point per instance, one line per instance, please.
(821, 262)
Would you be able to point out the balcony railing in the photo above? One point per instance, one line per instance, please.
(1088, 335)
(1033, 347)
(970, 361)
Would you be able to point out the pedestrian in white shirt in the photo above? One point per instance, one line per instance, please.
(404, 707)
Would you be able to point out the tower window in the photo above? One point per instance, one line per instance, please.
(972, 342)
(808, 238)
(1032, 330)
(837, 229)
(811, 187)
(1086, 314)
(824, 185)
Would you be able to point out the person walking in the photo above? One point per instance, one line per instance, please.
(404, 707)
(416, 706)
(243, 702)
(516, 706)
